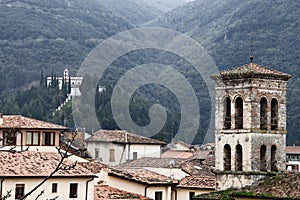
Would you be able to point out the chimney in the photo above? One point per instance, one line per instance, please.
(1, 119)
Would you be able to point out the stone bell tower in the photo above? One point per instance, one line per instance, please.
(250, 124)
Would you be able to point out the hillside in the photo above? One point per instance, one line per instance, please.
(224, 28)
(135, 12)
(49, 35)
(38, 35)
(164, 5)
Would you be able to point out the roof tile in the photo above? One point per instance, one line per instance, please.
(251, 70)
(29, 163)
(19, 121)
(105, 192)
(122, 136)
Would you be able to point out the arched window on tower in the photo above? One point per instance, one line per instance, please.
(273, 158)
(274, 114)
(227, 113)
(263, 113)
(227, 158)
(238, 158)
(263, 161)
(239, 113)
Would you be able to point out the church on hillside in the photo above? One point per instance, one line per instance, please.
(66, 78)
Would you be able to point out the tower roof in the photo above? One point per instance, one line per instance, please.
(251, 70)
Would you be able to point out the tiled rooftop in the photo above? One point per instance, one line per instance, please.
(251, 70)
(293, 149)
(36, 164)
(94, 166)
(19, 121)
(105, 192)
(282, 186)
(197, 182)
(121, 136)
(176, 154)
(141, 175)
(154, 162)
(198, 167)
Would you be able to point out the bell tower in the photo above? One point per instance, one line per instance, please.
(250, 124)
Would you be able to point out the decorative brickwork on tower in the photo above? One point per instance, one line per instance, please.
(250, 126)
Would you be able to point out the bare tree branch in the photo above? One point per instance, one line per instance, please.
(60, 166)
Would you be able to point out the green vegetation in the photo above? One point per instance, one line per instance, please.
(58, 34)
(224, 28)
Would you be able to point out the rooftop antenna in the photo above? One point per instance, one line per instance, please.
(252, 47)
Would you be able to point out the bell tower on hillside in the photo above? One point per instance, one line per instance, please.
(250, 124)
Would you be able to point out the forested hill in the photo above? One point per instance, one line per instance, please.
(134, 11)
(224, 27)
(49, 35)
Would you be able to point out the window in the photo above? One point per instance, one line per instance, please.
(263, 113)
(32, 138)
(111, 155)
(54, 187)
(263, 162)
(238, 158)
(9, 138)
(273, 158)
(227, 157)
(48, 139)
(158, 195)
(239, 113)
(73, 190)
(96, 153)
(191, 195)
(227, 112)
(20, 188)
(134, 156)
(274, 114)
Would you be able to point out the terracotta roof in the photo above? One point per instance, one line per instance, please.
(153, 162)
(198, 167)
(141, 175)
(197, 182)
(105, 192)
(37, 164)
(94, 166)
(293, 149)
(19, 121)
(251, 70)
(176, 154)
(121, 136)
(282, 186)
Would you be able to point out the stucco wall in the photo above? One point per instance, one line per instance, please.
(62, 189)
(104, 152)
(184, 193)
(144, 150)
(139, 188)
(122, 152)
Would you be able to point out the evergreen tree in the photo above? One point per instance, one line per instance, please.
(69, 85)
(42, 78)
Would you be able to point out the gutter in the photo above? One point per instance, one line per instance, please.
(175, 192)
(146, 191)
(86, 188)
(1, 187)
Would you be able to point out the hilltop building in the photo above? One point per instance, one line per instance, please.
(75, 82)
(250, 125)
